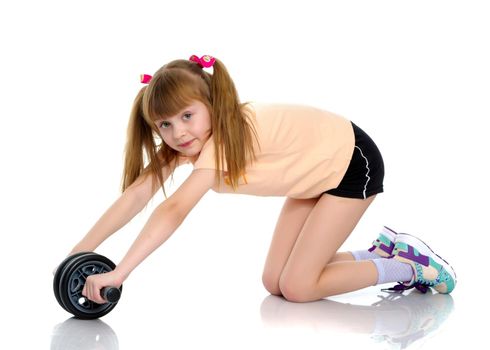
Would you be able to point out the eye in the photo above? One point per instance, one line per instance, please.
(164, 125)
(188, 114)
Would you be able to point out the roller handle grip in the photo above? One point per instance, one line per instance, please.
(110, 294)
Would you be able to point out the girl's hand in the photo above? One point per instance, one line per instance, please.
(94, 283)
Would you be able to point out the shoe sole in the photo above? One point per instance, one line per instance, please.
(423, 248)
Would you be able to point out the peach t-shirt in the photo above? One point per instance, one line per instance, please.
(305, 151)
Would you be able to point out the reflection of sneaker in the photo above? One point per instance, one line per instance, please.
(384, 244)
(423, 314)
(430, 270)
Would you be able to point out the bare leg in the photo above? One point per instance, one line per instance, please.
(289, 225)
(308, 274)
(342, 256)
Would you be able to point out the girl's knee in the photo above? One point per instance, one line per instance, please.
(271, 283)
(296, 290)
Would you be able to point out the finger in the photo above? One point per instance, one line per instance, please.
(90, 287)
(97, 298)
(86, 288)
(95, 294)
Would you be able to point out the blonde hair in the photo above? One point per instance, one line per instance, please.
(173, 87)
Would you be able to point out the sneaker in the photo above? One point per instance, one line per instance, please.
(384, 244)
(430, 270)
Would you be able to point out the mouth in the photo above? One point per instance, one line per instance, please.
(187, 144)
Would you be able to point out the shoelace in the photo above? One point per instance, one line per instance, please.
(400, 287)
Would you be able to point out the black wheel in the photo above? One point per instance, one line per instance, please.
(70, 279)
(57, 277)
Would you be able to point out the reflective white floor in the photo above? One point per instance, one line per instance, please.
(393, 322)
(359, 320)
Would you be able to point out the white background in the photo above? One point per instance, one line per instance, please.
(414, 75)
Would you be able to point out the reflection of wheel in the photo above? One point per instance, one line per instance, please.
(80, 334)
(70, 278)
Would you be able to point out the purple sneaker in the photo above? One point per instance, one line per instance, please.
(430, 270)
(384, 244)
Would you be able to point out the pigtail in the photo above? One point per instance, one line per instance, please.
(140, 141)
(232, 129)
(172, 88)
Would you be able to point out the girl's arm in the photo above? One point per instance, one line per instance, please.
(165, 219)
(125, 208)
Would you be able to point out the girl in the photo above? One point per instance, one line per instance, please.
(327, 167)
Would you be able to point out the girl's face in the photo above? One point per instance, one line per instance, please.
(188, 131)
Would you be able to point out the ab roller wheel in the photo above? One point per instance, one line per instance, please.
(70, 278)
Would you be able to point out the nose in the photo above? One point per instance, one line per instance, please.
(179, 131)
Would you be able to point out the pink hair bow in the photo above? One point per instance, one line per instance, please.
(145, 78)
(205, 61)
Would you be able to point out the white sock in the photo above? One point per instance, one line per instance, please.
(364, 255)
(392, 270)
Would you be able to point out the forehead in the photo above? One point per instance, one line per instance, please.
(189, 108)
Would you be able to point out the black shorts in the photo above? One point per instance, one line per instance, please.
(365, 174)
